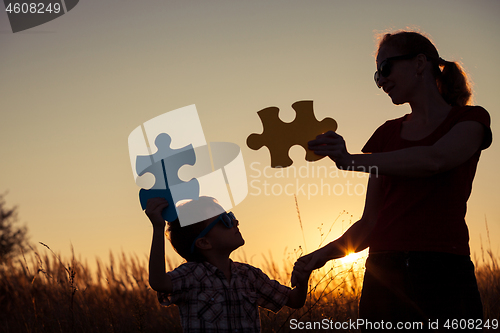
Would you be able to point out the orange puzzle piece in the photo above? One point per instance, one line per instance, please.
(279, 136)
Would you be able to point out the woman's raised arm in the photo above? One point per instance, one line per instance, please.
(453, 149)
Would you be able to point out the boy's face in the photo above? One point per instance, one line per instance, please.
(223, 238)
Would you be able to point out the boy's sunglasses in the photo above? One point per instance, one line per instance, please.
(226, 218)
(386, 66)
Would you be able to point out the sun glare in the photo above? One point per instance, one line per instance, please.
(351, 258)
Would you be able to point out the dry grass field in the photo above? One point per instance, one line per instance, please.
(48, 294)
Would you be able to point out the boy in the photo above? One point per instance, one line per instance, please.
(213, 293)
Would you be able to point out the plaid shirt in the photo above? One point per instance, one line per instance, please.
(209, 303)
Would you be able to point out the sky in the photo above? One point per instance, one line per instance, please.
(74, 88)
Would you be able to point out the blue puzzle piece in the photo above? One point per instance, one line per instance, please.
(164, 165)
(169, 214)
(162, 142)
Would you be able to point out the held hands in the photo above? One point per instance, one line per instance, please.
(306, 264)
(300, 277)
(332, 145)
(154, 207)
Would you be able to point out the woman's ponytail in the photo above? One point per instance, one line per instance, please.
(453, 84)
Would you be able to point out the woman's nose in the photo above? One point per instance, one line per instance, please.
(381, 81)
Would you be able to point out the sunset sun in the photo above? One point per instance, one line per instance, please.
(351, 258)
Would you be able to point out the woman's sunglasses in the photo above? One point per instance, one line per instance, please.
(386, 66)
(226, 218)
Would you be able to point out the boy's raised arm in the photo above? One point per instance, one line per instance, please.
(158, 278)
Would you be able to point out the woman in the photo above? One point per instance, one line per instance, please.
(419, 267)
